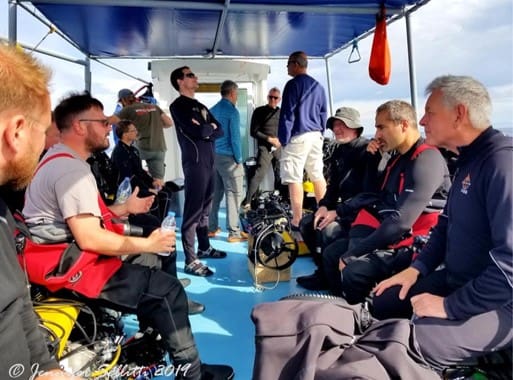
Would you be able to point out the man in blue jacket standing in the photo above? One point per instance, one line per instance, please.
(473, 238)
(228, 163)
(300, 131)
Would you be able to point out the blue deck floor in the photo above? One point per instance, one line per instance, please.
(224, 332)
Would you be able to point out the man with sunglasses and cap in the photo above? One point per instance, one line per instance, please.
(264, 128)
(350, 170)
(150, 121)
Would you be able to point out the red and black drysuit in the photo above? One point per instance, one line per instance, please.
(412, 194)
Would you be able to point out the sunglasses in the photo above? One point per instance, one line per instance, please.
(190, 75)
(104, 122)
(273, 97)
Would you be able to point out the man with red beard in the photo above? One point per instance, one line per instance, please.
(24, 119)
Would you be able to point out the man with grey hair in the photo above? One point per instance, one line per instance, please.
(472, 240)
(304, 111)
(407, 204)
(228, 164)
(264, 128)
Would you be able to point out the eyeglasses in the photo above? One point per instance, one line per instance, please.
(273, 97)
(190, 75)
(104, 122)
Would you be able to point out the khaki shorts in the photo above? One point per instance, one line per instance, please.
(303, 152)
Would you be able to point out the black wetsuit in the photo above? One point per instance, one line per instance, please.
(264, 124)
(197, 146)
(128, 161)
(349, 170)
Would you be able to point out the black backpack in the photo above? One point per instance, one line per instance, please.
(106, 175)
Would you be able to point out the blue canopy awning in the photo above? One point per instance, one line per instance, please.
(208, 28)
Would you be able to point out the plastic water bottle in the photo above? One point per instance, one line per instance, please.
(168, 224)
(124, 191)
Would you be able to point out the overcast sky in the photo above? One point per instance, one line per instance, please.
(466, 37)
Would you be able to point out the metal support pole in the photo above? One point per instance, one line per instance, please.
(411, 63)
(87, 74)
(41, 19)
(13, 22)
(330, 94)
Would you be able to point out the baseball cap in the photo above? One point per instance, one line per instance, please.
(348, 115)
(125, 93)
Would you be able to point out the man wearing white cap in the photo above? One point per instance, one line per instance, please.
(350, 170)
